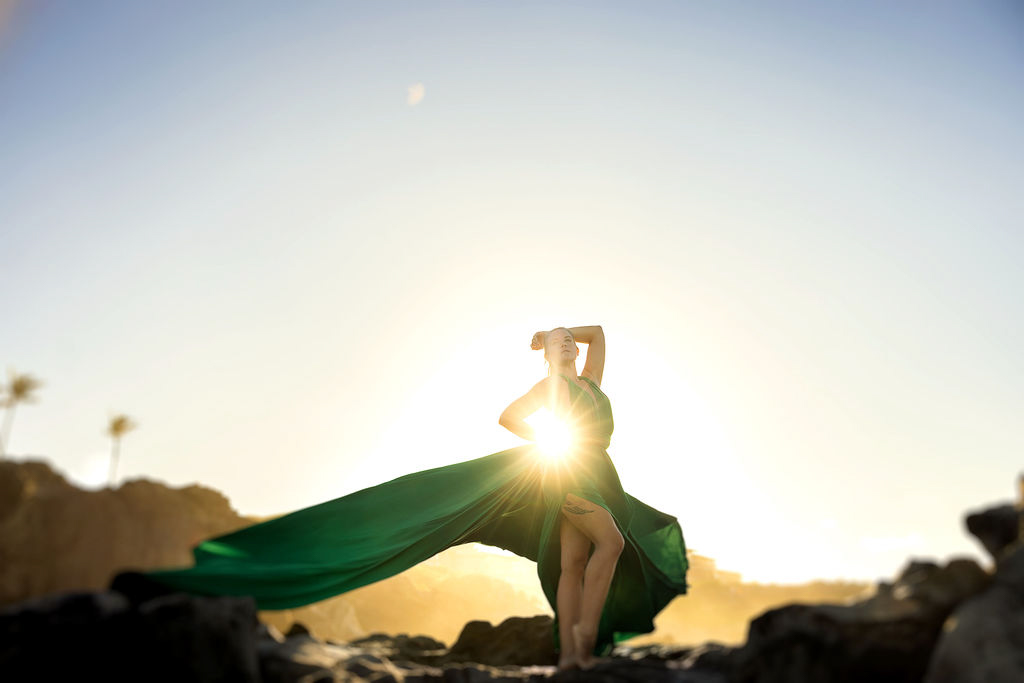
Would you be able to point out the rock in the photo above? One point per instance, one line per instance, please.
(379, 657)
(299, 657)
(996, 527)
(652, 651)
(269, 632)
(200, 638)
(940, 588)
(982, 641)
(706, 662)
(139, 588)
(56, 537)
(102, 636)
(519, 641)
(886, 637)
(20, 481)
(181, 637)
(296, 629)
(709, 656)
(419, 649)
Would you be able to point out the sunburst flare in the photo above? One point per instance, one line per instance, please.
(554, 435)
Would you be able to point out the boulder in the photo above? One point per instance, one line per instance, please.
(887, 637)
(101, 635)
(519, 641)
(996, 527)
(982, 641)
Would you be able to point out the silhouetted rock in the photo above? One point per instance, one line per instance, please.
(179, 637)
(297, 629)
(982, 641)
(887, 637)
(101, 635)
(403, 647)
(708, 661)
(139, 588)
(996, 527)
(519, 641)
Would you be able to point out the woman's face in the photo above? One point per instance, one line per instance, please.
(559, 346)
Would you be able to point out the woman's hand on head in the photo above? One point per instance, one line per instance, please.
(537, 342)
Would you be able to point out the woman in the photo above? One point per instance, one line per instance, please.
(554, 511)
(585, 578)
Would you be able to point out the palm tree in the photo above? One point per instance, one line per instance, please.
(20, 389)
(119, 425)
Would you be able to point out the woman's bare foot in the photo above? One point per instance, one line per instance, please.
(584, 642)
(568, 661)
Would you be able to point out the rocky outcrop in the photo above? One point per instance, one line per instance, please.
(101, 635)
(175, 637)
(518, 641)
(55, 536)
(982, 641)
(887, 637)
(996, 528)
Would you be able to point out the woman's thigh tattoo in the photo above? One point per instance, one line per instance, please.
(576, 509)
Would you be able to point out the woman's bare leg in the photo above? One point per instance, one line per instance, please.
(598, 525)
(575, 549)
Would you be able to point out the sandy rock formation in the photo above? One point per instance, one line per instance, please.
(55, 536)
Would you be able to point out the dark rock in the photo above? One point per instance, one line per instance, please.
(996, 527)
(297, 658)
(644, 669)
(297, 629)
(709, 656)
(706, 662)
(653, 651)
(519, 641)
(888, 637)
(940, 588)
(201, 638)
(139, 588)
(85, 625)
(101, 635)
(419, 649)
(982, 641)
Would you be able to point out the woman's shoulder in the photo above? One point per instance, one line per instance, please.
(547, 383)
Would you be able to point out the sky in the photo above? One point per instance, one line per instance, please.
(305, 247)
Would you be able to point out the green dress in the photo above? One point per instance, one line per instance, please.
(510, 499)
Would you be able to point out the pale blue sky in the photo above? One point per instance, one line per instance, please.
(799, 224)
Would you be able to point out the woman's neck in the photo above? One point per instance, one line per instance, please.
(569, 370)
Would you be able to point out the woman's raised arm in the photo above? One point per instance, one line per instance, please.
(593, 337)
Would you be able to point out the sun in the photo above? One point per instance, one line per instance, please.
(554, 437)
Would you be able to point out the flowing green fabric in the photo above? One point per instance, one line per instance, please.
(510, 499)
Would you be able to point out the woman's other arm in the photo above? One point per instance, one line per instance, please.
(520, 428)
